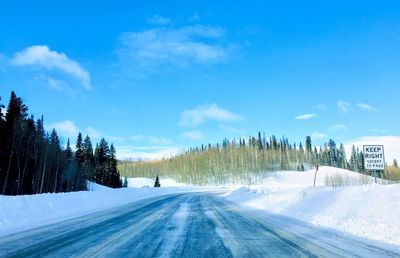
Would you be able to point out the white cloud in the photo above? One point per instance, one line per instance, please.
(65, 128)
(338, 127)
(366, 107)
(160, 140)
(232, 129)
(69, 129)
(158, 20)
(199, 114)
(116, 138)
(193, 135)
(43, 57)
(191, 44)
(136, 137)
(93, 133)
(56, 84)
(305, 116)
(391, 145)
(147, 152)
(344, 106)
(379, 130)
(318, 136)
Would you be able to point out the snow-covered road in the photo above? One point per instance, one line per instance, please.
(187, 225)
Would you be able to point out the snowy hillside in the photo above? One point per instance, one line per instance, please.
(369, 211)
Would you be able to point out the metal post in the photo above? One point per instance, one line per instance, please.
(315, 175)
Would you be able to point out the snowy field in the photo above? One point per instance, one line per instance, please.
(370, 211)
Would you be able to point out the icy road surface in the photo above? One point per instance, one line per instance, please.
(186, 225)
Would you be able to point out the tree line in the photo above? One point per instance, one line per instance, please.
(33, 161)
(244, 160)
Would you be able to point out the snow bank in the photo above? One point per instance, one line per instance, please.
(369, 211)
(29, 211)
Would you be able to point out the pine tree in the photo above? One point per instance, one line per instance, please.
(125, 184)
(342, 160)
(157, 182)
(88, 157)
(102, 155)
(332, 153)
(308, 146)
(114, 179)
(79, 151)
(260, 142)
(395, 164)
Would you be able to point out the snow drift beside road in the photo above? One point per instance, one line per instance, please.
(369, 211)
(29, 211)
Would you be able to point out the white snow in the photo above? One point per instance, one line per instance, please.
(369, 211)
(30, 211)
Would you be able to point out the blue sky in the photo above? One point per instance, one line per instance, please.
(158, 76)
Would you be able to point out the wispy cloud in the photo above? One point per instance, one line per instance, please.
(55, 84)
(116, 138)
(343, 106)
(43, 57)
(379, 130)
(318, 136)
(158, 20)
(136, 137)
(65, 128)
(338, 127)
(160, 140)
(193, 135)
(147, 152)
(232, 129)
(366, 107)
(179, 46)
(69, 129)
(200, 114)
(305, 116)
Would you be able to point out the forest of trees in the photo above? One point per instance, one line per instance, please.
(33, 161)
(244, 160)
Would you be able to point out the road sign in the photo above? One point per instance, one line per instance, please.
(374, 158)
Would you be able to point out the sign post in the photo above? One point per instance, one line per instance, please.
(374, 159)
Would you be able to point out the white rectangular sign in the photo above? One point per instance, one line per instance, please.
(374, 158)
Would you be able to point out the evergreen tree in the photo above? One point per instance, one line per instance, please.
(31, 160)
(157, 182)
(260, 142)
(125, 184)
(113, 174)
(332, 153)
(308, 146)
(395, 164)
(79, 150)
(342, 160)
(102, 155)
(88, 157)
(353, 159)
